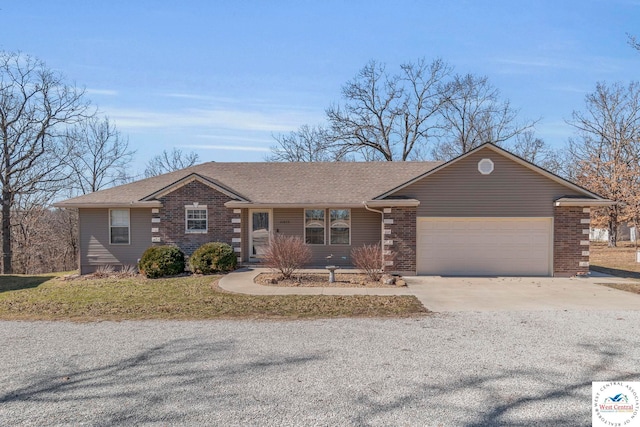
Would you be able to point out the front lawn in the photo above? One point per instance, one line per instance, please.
(51, 297)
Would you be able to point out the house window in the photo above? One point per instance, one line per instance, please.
(340, 226)
(119, 226)
(196, 219)
(314, 226)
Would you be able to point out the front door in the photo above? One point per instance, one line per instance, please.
(260, 226)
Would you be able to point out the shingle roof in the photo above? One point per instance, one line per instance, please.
(303, 183)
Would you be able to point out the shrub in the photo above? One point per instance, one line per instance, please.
(104, 271)
(128, 270)
(108, 270)
(213, 257)
(286, 254)
(368, 258)
(159, 261)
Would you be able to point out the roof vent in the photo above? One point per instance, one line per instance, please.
(485, 166)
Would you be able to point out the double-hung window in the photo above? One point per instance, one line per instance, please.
(196, 219)
(119, 226)
(314, 226)
(340, 228)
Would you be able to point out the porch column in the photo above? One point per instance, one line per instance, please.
(236, 240)
(399, 243)
(570, 240)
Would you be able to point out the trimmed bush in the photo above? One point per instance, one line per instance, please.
(159, 261)
(286, 254)
(212, 258)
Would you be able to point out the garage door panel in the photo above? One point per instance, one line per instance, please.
(484, 246)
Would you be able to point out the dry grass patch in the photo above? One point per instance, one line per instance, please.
(629, 287)
(50, 297)
(343, 280)
(619, 261)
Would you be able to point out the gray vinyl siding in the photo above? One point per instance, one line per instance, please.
(95, 249)
(365, 229)
(511, 190)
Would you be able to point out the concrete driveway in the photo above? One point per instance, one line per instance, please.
(520, 293)
(451, 294)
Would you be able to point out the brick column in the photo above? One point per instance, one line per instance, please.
(236, 240)
(155, 227)
(400, 239)
(570, 240)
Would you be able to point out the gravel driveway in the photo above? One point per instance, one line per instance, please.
(501, 368)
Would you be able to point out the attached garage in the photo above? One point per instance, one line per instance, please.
(464, 246)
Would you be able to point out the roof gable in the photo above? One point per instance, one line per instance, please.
(190, 178)
(501, 151)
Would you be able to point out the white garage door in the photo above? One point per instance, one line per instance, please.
(484, 246)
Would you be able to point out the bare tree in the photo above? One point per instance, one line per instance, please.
(607, 149)
(390, 116)
(536, 151)
(36, 106)
(307, 144)
(169, 162)
(43, 239)
(97, 155)
(473, 114)
(633, 41)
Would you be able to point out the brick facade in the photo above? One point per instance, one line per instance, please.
(570, 241)
(400, 239)
(223, 224)
(570, 246)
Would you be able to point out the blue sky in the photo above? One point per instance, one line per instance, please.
(220, 78)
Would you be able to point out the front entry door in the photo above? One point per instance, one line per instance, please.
(260, 232)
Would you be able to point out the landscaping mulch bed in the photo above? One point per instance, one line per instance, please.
(343, 280)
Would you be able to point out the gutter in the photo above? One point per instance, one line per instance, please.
(150, 204)
(387, 203)
(566, 201)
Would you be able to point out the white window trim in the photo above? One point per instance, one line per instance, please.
(324, 230)
(186, 219)
(128, 227)
(485, 166)
(350, 227)
(271, 230)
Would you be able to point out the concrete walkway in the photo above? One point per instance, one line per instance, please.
(451, 294)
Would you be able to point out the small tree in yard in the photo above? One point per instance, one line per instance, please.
(368, 258)
(286, 254)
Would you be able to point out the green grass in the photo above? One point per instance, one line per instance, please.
(50, 297)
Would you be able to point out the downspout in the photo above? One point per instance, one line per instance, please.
(381, 230)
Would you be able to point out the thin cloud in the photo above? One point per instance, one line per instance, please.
(108, 92)
(570, 89)
(234, 138)
(193, 96)
(226, 147)
(229, 119)
(557, 129)
(533, 62)
(252, 104)
(530, 65)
